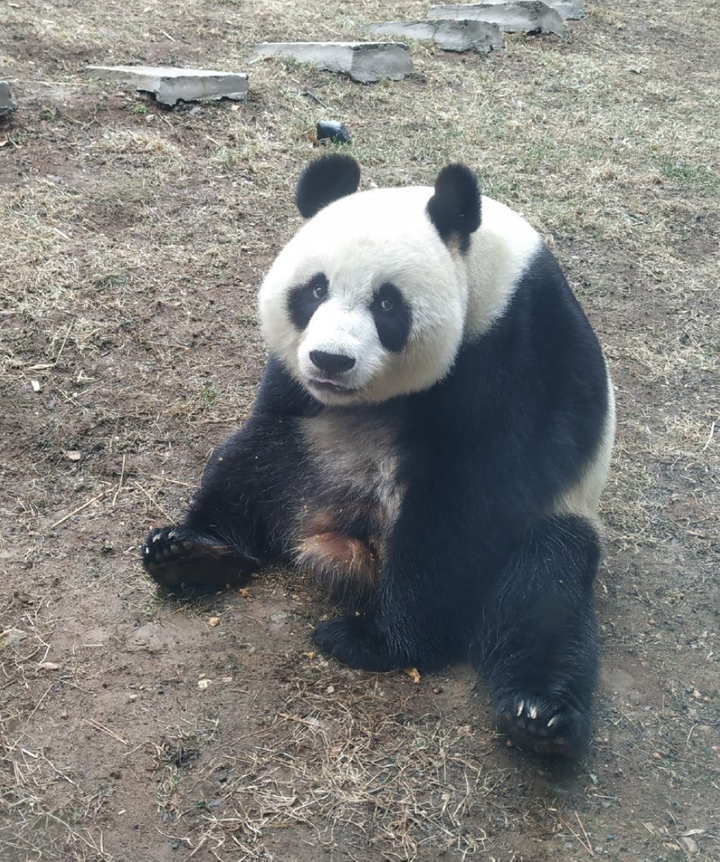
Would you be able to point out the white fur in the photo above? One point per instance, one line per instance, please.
(583, 498)
(500, 252)
(364, 240)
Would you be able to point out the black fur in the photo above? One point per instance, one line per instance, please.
(331, 363)
(326, 180)
(474, 565)
(455, 208)
(393, 317)
(305, 300)
(538, 645)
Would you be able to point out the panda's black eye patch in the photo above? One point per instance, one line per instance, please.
(305, 299)
(393, 318)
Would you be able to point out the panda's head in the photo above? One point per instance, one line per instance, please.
(368, 300)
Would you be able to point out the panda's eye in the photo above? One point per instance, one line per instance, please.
(393, 317)
(305, 299)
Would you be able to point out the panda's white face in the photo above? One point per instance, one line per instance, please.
(366, 302)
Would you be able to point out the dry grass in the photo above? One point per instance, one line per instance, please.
(354, 767)
(32, 824)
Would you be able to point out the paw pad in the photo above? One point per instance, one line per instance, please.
(544, 725)
(174, 556)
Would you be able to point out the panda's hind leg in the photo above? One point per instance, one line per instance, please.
(177, 557)
(538, 644)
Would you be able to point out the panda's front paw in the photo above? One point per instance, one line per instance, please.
(356, 642)
(545, 725)
(162, 547)
(175, 557)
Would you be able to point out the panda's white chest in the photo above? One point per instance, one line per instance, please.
(355, 454)
(345, 520)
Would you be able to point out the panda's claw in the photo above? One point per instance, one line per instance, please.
(544, 725)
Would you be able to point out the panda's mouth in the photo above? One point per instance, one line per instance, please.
(326, 384)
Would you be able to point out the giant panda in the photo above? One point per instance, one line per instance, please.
(430, 438)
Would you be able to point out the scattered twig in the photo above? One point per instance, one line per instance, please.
(710, 437)
(219, 421)
(98, 726)
(299, 720)
(44, 366)
(587, 840)
(312, 95)
(153, 500)
(79, 509)
(37, 705)
(120, 483)
(174, 481)
(584, 842)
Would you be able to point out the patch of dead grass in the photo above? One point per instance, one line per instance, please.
(351, 766)
(44, 813)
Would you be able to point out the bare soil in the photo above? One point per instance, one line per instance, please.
(132, 242)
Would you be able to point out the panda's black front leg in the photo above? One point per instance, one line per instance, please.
(359, 642)
(418, 616)
(240, 514)
(539, 646)
(220, 540)
(413, 621)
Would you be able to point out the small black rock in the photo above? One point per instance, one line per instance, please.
(331, 130)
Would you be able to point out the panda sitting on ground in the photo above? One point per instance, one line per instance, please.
(430, 439)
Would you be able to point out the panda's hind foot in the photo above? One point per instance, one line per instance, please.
(544, 725)
(176, 557)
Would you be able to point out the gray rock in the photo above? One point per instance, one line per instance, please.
(363, 61)
(7, 105)
(565, 8)
(170, 85)
(453, 35)
(516, 16)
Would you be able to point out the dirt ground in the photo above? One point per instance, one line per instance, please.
(132, 243)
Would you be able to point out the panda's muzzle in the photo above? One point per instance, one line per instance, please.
(331, 370)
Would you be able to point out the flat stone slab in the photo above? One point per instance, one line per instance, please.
(362, 61)
(453, 35)
(7, 105)
(171, 85)
(568, 9)
(565, 8)
(516, 16)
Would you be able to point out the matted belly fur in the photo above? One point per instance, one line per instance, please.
(343, 524)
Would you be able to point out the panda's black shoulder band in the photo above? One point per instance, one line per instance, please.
(455, 207)
(326, 180)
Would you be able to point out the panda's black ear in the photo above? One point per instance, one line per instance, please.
(454, 209)
(324, 181)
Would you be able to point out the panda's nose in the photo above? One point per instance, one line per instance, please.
(331, 363)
